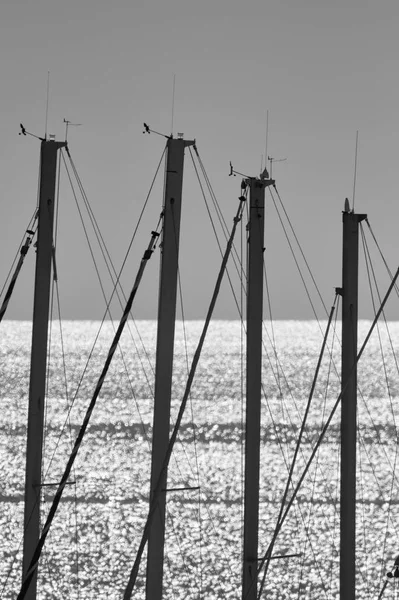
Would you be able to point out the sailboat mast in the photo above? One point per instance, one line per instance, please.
(164, 354)
(37, 386)
(256, 228)
(350, 260)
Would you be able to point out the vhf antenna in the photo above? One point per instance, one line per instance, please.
(67, 124)
(272, 160)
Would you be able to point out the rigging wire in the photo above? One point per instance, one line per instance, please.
(110, 266)
(125, 366)
(338, 474)
(218, 243)
(196, 471)
(36, 555)
(392, 408)
(219, 213)
(297, 447)
(115, 289)
(278, 437)
(54, 278)
(103, 247)
(82, 191)
(371, 274)
(395, 285)
(157, 490)
(301, 251)
(271, 365)
(294, 257)
(141, 213)
(283, 420)
(194, 429)
(382, 255)
(332, 412)
(30, 227)
(213, 195)
(67, 398)
(35, 216)
(292, 396)
(235, 256)
(316, 558)
(56, 296)
(297, 263)
(274, 346)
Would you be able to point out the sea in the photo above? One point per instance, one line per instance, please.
(95, 535)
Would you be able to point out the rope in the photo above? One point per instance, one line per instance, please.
(57, 498)
(158, 490)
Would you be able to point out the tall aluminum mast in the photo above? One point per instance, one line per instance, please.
(254, 384)
(350, 260)
(37, 386)
(164, 354)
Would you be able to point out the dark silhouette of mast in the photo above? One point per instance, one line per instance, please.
(350, 260)
(164, 355)
(256, 228)
(37, 386)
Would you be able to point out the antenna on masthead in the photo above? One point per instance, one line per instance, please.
(67, 124)
(354, 175)
(47, 100)
(173, 104)
(272, 160)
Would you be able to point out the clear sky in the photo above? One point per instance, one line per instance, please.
(323, 70)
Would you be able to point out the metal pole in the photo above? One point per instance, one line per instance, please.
(256, 228)
(37, 384)
(349, 401)
(164, 356)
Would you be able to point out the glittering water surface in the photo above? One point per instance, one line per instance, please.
(92, 544)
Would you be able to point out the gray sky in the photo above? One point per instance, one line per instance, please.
(323, 70)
